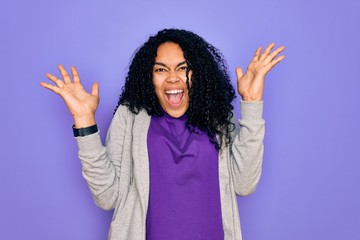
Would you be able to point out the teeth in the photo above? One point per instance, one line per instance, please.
(174, 91)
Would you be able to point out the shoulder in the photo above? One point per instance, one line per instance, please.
(123, 112)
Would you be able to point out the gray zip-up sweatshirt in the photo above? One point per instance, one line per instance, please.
(118, 173)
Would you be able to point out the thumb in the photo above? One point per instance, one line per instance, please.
(239, 72)
(95, 89)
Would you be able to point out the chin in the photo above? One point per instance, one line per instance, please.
(175, 113)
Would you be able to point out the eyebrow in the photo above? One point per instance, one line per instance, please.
(164, 65)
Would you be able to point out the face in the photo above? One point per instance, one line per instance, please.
(169, 79)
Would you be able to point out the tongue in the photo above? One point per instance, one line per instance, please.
(175, 99)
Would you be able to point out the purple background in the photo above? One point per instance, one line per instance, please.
(310, 183)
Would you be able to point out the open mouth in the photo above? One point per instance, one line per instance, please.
(174, 96)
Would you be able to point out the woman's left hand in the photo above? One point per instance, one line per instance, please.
(251, 84)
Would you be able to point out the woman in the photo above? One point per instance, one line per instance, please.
(174, 160)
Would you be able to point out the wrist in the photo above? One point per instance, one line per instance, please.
(251, 99)
(81, 132)
(83, 122)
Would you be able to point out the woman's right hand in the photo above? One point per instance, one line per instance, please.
(80, 103)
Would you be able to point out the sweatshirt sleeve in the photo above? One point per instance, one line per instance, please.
(101, 165)
(247, 148)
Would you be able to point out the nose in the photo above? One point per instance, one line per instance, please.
(173, 77)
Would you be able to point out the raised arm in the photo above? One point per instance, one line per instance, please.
(247, 147)
(100, 165)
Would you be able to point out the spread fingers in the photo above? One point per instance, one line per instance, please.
(257, 54)
(267, 51)
(64, 74)
(271, 56)
(55, 80)
(75, 74)
(50, 87)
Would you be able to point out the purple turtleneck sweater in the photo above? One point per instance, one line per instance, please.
(184, 201)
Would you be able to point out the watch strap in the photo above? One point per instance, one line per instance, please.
(81, 132)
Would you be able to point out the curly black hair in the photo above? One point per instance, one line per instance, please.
(210, 93)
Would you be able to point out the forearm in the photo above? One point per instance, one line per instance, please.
(247, 148)
(98, 170)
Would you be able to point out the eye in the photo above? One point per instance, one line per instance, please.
(160, 70)
(183, 68)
